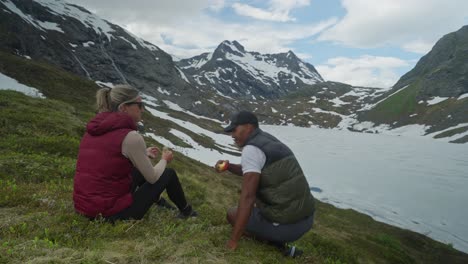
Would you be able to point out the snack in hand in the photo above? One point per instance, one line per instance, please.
(222, 166)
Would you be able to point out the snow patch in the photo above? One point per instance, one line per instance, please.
(436, 100)
(64, 9)
(7, 83)
(163, 91)
(182, 75)
(212, 101)
(87, 44)
(105, 84)
(463, 96)
(338, 102)
(41, 25)
(129, 42)
(176, 107)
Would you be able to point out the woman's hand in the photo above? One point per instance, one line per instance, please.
(167, 155)
(152, 152)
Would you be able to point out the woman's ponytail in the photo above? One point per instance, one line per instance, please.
(103, 100)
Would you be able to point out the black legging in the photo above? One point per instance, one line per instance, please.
(146, 194)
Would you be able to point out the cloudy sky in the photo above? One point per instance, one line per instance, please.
(360, 42)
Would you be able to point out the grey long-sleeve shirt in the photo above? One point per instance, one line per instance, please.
(134, 148)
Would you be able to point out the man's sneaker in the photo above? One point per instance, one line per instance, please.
(293, 252)
(165, 204)
(187, 212)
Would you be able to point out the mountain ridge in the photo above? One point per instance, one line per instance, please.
(231, 78)
(249, 74)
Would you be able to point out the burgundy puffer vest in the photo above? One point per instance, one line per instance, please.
(103, 175)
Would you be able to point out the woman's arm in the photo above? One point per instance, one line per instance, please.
(134, 148)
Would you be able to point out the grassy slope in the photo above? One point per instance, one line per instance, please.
(38, 145)
(402, 105)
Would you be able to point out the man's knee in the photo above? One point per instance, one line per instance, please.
(231, 215)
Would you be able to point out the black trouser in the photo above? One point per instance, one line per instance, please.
(146, 194)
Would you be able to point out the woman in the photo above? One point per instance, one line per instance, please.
(114, 175)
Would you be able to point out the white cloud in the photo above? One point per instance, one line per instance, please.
(278, 10)
(369, 71)
(216, 5)
(418, 46)
(191, 30)
(257, 13)
(189, 38)
(303, 56)
(413, 25)
(159, 12)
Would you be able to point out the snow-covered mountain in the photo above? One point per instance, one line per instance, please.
(72, 38)
(280, 88)
(235, 72)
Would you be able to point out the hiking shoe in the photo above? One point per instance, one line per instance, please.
(165, 204)
(293, 252)
(187, 212)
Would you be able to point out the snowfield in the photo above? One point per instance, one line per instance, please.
(403, 179)
(416, 183)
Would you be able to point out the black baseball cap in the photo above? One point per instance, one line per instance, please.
(241, 118)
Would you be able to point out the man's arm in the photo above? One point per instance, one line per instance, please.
(246, 203)
(235, 168)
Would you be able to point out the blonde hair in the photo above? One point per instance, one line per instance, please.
(109, 99)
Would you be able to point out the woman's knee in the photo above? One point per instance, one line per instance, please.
(170, 170)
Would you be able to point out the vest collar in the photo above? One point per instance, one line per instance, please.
(255, 133)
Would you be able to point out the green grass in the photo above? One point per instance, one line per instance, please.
(39, 140)
(461, 140)
(397, 107)
(452, 132)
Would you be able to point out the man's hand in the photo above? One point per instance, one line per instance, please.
(231, 244)
(152, 152)
(221, 165)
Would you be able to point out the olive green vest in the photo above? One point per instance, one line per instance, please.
(283, 194)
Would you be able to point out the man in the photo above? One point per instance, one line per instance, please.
(275, 204)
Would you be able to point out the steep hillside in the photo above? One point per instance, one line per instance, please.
(433, 94)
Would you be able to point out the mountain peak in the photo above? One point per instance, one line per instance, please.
(291, 55)
(233, 47)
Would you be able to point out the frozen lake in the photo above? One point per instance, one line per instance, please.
(409, 181)
(416, 183)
